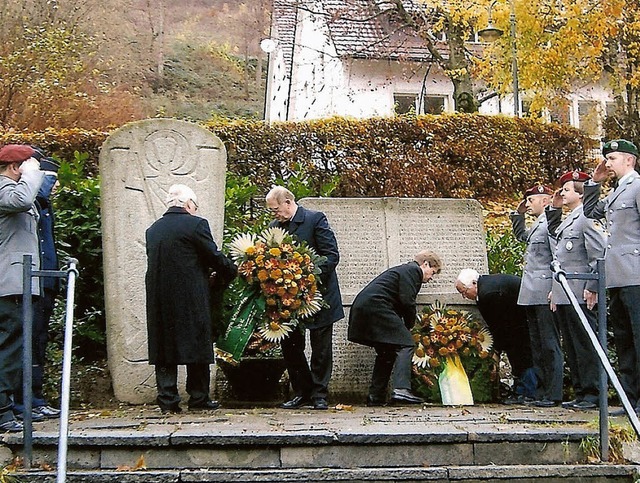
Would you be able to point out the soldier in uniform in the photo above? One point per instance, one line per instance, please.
(20, 180)
(580, 242)
(621, 209)
(534, 290)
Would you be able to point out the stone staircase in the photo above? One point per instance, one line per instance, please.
(347, 444)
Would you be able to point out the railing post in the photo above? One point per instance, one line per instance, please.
(561, 277)
(72, 273)
(602, 338)
(27, 360)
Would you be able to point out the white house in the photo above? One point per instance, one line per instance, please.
(350, 58)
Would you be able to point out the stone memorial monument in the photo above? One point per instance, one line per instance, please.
(377, 233)
(138, 163)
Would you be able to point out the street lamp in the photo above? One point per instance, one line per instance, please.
(491, 34)
(268, 46)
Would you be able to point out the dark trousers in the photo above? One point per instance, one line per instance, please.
(401, 377)
(624, 310)
(198, 377)
(581, 356)
(10, 353)
(546, 351)
(42, 312)
(386, 357)
(309, 381)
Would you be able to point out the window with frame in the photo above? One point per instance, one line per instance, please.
(589, 117)
(408, 103)
(404, 104)
(434, 105)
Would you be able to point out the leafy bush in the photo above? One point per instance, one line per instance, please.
(505, 254)
(78, 235)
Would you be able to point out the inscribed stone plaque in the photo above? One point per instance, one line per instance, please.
(377, 233)
(138, 164)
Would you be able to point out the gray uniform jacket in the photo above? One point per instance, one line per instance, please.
(621, 208)
(580, 242)
(536, 276)
(18, 230)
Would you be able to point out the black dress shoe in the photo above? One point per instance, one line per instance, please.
(399, 396)
(583, 405)
(12, 426)
(320, 403)
(374, 401)
(570, 404)
(546, 403)
(296, 403)
(171, 410)
(35, 417)
(208, 405)
(47, 412)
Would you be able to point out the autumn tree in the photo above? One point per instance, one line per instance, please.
(52, 65)
(559, 46)
(456, 21)
(622, 63)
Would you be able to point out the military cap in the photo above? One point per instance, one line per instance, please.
(49, 164)
(538, 189)
(619, 145)
(574, 175)
(15, 153)
(38, 152)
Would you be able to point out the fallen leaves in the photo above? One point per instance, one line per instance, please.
(139, 466)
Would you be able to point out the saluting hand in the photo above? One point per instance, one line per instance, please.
(601, 172)
(522, 207)
(30, 164)
(557, 199)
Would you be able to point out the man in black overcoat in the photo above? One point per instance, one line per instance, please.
(310, 382)
(381, 317)
(497, 299)
(181, 256)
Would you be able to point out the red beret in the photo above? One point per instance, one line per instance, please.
(15, 153)
(538, 189)
(573, 176)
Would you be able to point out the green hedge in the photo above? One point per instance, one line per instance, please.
(452, 155)
(458, 156)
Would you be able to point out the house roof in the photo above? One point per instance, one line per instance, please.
(372, 29)
(367, 29)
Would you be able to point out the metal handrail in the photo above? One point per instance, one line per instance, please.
(71, 272)
(599, 344)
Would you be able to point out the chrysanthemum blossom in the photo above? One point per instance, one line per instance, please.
(274, 331)
(273, 236)
(240, 244)
(486, 339)
(312, 306)
(420, 358)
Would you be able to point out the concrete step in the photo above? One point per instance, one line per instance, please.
(463, 474)
(347, 443)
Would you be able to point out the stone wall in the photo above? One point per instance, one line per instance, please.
(377, 233)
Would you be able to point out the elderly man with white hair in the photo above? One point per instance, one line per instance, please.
(181, 256)
(497, 299)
